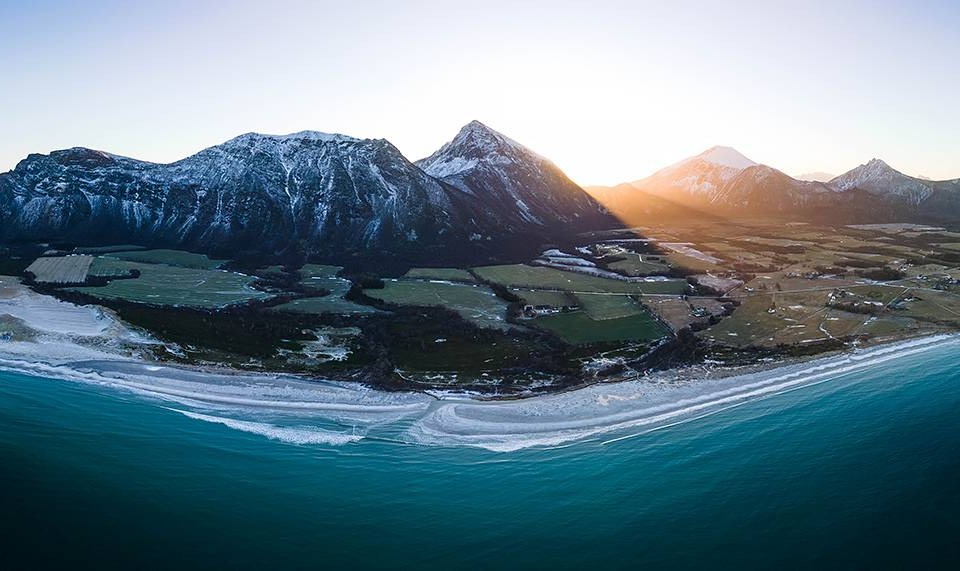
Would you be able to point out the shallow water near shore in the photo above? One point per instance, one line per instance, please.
(853, 464)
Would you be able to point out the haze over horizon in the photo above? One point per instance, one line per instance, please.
(610, 92)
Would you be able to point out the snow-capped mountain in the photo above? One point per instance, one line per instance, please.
(504, 183)
(908, 196)
(254, 191)
(760, 188)
(697, 179)
(333, 196)
(722, 182)
(879, 178)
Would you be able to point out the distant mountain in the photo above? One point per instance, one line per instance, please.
(698, 179)
(331, 196)
(920, 198)
(722, 182)
(506, 185)
(816, 176)
(880, 179)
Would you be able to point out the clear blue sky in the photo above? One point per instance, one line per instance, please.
(610, 90)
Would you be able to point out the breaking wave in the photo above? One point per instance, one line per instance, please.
(296, 409)
(289, 434)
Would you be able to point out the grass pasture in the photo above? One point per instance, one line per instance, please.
(61, 270)
(602, 307)
(449, 274)
(161, 284)
(546, 297)
(327, 304)
(475, 303)
(323, 277)
(177, 258)
(634, 265)
(577, 328)
(538, 277)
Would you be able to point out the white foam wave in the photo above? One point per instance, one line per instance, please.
(289, 434)
(579, 415)
(502, 426)
(346, 401)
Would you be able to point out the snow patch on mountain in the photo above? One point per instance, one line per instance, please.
(726, 157)
(879, 178)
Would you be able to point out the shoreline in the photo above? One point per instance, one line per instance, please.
(296, 411)
(86, 346)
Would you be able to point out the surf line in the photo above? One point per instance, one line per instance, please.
(853, 365)
(747, 400)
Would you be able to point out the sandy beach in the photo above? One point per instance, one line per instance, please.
(87, 344)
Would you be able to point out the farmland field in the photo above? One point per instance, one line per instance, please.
(546, 297)
(170, 258)
(538, 277)
(316, 277)
(61, 270)
(604, 306)
(327, 304)
(475, 303)
(577, 328)
(323, 277)
(451, 274)
(635, 265)
(161, 284)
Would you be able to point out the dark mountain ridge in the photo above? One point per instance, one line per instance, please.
(330, 197)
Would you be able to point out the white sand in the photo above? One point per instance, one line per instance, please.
(61, 330)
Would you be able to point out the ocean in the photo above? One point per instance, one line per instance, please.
(858, 467)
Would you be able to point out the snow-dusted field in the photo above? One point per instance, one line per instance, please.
(61, 330)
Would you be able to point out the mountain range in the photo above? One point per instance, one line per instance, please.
(721, 182)
(327, 196)
(482, 196)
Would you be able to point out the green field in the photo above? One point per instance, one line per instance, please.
(602, 307)
(322, 277)
(577, 328)
(170, 258)
(475, 303)
(318, 277)
(161, 284)
(327, 304)
(450, 274)
(103, 267)
(634, 265)
(537, 277)
(61, 269)
(546, 297)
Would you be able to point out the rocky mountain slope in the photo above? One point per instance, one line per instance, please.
(503, 183)
(331, 196)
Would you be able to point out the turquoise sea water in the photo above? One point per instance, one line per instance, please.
(862, 471)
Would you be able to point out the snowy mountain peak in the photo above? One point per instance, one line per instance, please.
(878, 165)
(475, 143)
(313, 136)
(480, 162)
(871, 171)
(877, 177)
(727, 157)
(479, 135)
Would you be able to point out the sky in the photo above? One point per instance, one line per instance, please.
(611, 91)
